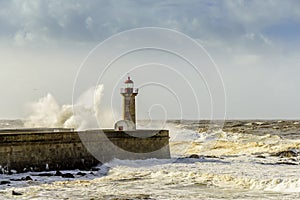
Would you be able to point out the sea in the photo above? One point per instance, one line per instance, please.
(240, 159)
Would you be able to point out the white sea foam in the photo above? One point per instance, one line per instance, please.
(184, 141)
(205, 172)
(234, 171)
(178, 133)
(138, 163)
(285, 186)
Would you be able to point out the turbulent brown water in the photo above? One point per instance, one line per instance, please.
(244, 159)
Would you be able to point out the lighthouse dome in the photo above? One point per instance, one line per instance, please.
(128, 80)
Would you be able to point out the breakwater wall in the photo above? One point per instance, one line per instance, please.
(54, 149)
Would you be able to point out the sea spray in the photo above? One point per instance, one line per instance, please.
(44, 112)
(84, 114)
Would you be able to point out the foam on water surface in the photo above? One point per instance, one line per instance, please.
(171, 179)
(232, 164)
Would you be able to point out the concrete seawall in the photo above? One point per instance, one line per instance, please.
(53, 149)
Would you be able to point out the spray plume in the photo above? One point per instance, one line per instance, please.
(46, 112)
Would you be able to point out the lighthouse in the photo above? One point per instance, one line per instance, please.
(129, 93)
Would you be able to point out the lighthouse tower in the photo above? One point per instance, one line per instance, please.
(129, 93)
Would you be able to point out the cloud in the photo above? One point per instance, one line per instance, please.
(95, 20)
(253, 42)
(246, 59)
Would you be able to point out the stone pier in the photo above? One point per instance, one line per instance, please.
(56, 148)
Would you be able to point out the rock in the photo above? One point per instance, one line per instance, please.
(288, 154)
(45, 174)
(208, 156)
(58, 173)
(286, 163)
(81, 174)
(4, 182)
(194, 156)
(16, 193)
(294, 159)
(27, 178)
(67, 175)
(15, 179)
(260, 156)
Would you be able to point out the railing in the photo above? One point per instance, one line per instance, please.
(129, 90)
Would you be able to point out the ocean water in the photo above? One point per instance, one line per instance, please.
(245, 159)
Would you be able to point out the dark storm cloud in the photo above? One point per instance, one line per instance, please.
(94, 20)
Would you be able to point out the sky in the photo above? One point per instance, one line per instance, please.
(254, 44)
